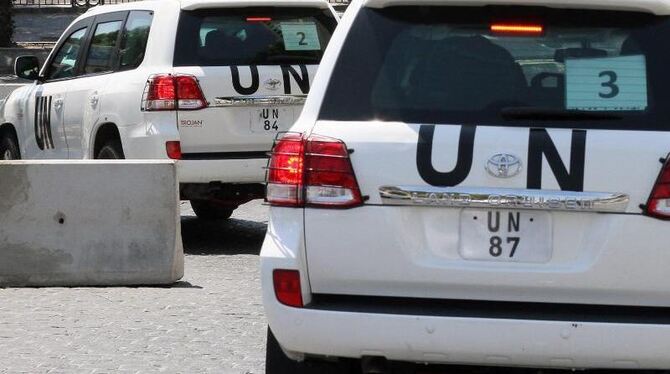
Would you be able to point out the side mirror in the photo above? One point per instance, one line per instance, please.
(27, 67)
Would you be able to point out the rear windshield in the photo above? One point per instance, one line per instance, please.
(253, 36)
(504, 66)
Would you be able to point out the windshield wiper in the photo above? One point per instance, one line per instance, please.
(549, 114)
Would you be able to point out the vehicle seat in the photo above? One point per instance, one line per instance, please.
(563, 54)
(630, 47)
(259, 41)
(466, 74)
(218, 46)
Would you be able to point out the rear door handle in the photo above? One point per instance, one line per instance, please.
(58, 104)
(94, 100)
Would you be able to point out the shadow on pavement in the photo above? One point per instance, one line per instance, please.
(230, 237)
(184, 284)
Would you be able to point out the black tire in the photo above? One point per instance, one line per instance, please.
(9, 149)
(276, 362)
(112, 150)
(212, 211)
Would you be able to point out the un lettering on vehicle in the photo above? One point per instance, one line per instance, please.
(42, 122)
(570, 177)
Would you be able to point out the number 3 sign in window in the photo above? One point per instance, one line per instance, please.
(300, 36)
(606, 84)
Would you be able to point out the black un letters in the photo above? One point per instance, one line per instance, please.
(301, 78)
(42, 122)
(424, 157)
(539, 145)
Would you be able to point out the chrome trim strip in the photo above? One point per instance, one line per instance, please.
(243, 101)
(504, 198)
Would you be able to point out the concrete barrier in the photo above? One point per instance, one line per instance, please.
(89, 223)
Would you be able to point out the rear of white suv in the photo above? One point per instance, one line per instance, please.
(480, 183)
(254, 64)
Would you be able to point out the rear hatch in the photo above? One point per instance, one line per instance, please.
(506, 153)
(255, 66)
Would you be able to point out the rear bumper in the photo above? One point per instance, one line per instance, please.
(530, 340)
(224, 171)
(540, 338)
(477, 341)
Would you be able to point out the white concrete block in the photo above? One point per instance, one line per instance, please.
(89, 223)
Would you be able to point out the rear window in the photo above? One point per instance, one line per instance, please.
(254, 36)
(504, 66)
(134, 40)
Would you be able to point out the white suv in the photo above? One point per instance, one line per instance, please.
(207, 82)
(481, 182)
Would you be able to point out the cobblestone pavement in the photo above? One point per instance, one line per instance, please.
(212, 321)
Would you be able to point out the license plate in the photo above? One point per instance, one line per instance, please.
(271, 120)
(505, 236)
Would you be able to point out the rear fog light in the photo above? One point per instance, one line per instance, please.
(173, 149)
(287, 287)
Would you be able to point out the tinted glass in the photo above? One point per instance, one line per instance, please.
(252, 36)
(62, 66)
(134, 41)
(102, 53)
(562, 68)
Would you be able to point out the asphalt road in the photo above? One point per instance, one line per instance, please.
(9, 83)
(211, 321)
(5, 90)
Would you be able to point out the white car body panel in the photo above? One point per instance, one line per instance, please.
(407, 252)
(206, 130)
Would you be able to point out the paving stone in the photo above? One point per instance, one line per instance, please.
(212, 321)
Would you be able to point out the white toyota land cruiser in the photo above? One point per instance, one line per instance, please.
(480, 182)
(207, 82)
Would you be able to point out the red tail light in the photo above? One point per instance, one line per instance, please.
(314, 172)
(172, 92)
(285, 174)
(658, 204)
(173, 150)
(159, 93)
(287, 287)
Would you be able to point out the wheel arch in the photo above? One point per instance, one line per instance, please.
(8, 129)
(105, 132)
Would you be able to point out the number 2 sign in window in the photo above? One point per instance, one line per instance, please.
(606, 84)
(300, 36)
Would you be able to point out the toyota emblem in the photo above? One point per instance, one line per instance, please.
(503, 165)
